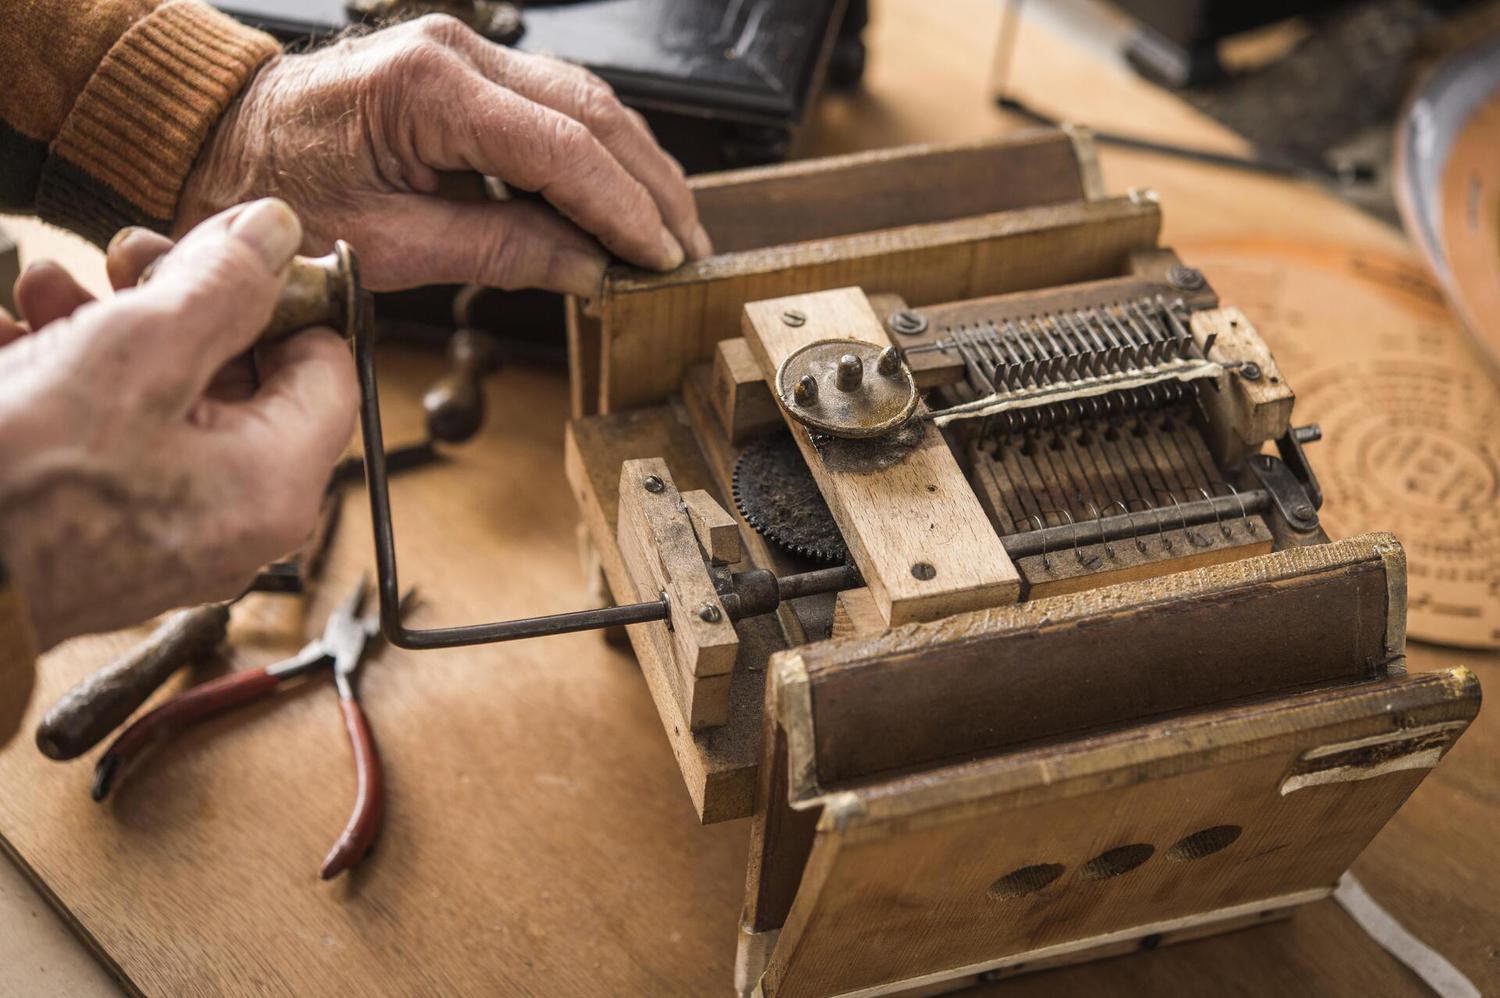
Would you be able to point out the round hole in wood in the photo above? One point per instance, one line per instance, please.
(1026, 880)
(1121, 859)
(1204, 842)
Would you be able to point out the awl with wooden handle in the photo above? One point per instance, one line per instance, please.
(102, 702)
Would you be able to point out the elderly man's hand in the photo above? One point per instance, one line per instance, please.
(355, 135)
(135, 475)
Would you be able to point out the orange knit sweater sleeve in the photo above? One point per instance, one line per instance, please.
(104, 105)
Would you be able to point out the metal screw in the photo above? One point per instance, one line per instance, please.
(654, 484)
(1250, 371)
(709, 613)
(908, 323)
(1185, 278)
(793, 317)
(806, 392)
(922, 570)
(1303, 511)
(850, 372)
(889, 363)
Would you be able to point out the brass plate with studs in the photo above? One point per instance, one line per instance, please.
(847, 388)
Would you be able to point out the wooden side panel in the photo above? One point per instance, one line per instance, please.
(655, 326)
(943, 874)
(585, 358)
(839, 195)
(912, 524)
(1110, 656)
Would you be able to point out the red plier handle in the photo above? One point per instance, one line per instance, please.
(204, 700)
(369, 794)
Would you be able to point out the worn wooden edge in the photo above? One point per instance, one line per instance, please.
(1165, 932)
(1086, 152)
(619, 282)
(791, 694)
(1196, 741)
(1038, 135)
(718, 767)
(1394, 556)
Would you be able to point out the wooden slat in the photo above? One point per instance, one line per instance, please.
(901, 516)
(739, 395)
(717, 532)
(657, 325)
(1104, 657)
(839, 195)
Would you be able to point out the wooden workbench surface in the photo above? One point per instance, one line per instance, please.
(538, 839)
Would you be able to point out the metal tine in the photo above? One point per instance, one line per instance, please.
(1107, 351)
(1043, 358)
(1137, 350)
(1065, 357)
(1161, 343)
(1094, 357)
(1016, 372)
(1092, 317)
(1015, 342)
(1041, 525)
(1183, 334)
(1150, 343)
(1135, 534)
(964, 340)
(988, 346)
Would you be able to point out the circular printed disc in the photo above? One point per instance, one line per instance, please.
(1408, 411)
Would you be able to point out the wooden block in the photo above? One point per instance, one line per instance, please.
(909, 517)
(855, 612)
(661, 555)
(718, 533)
(740, 396)
(1245, 414)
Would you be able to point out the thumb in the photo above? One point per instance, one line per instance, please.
(214, 292)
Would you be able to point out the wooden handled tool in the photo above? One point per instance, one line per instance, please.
(101, 702)
(455, 405)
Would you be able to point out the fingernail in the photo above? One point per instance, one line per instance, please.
(579, 273)
(272, 229)
(122, 237)
(672, 255)
(698, 242)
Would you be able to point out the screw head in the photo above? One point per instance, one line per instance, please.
(1185, 278)
(654, 484)
(793, 317)
(710, 613)
(1303, 511)
(908, 323)
(1250, 371)
(924, 571)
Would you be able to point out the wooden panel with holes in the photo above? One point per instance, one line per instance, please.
(939, 875)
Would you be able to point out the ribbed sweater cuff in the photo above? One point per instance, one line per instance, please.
(126, 148)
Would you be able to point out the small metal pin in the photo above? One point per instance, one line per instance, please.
(850, 373)
(806, 392)
(889, 363)
(654, 484)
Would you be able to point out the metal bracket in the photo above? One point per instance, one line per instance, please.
(1288, 493)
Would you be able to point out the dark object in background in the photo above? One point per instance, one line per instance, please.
(1177, 43)
(722, 84)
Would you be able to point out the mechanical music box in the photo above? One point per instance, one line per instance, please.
(970, 547)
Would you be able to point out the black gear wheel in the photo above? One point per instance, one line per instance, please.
(777, 495)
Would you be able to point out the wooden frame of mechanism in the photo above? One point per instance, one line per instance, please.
(995, 216)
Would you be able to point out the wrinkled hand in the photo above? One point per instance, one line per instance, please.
(137, 473)
(354, 137)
